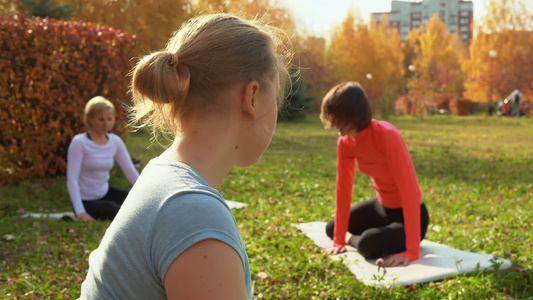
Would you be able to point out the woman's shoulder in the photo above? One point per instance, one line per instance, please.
(346, 141)
(113, 136)
(382, 124)
(192, 206)
(115, 139)
(167, 179)
(80, 138)
(384, 127)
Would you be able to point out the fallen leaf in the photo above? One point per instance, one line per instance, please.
(9, 237)
(262, 276)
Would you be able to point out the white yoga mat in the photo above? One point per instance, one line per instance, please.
(436, 261)
(235, 205)
(72, 216)
(51, 216)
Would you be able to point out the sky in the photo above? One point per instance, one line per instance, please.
(320, 17)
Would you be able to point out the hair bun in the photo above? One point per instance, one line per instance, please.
(157, 77)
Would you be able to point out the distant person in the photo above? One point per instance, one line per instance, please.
(505, 107)
(393, 223)
(516, 105)
(91, 156)
(216, 88)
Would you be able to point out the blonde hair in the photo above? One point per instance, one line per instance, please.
(207, 55)
(95, 106)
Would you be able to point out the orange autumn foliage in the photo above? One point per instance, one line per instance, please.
(151, 21)
(370, 55)
(267, 10)
(50, 69)
(505, 30)
(436, 60)
(314, 69)
(459, 106)
(403, 105)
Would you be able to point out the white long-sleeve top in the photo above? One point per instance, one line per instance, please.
(88, 167)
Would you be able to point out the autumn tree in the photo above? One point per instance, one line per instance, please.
(371, 55)
(435, 63)
(269, 11)
(314, 70)
(506, 33)
(409, 47)
(47, 8)
(10, 7)
(273, 14)
(152, 21)
(340, 55)
(296, 103)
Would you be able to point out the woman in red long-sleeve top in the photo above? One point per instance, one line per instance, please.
(395, 221)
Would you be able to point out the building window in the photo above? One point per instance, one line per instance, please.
(416, 15)
(464, 21)
(465, 36)
(465, 13)
(416, 23)
(464, 28)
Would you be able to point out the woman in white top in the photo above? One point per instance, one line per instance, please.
(90, 158)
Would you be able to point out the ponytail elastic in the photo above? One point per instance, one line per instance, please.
(173, 59)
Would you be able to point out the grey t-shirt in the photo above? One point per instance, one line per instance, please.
(169, 209)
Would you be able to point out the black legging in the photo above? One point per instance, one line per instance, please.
(377, 230)
(106, 207)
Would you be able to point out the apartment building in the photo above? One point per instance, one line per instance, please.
(456, 14)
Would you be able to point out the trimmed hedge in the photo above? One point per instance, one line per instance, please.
(49, 69)
(460, 106)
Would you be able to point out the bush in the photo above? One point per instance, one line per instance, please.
(296, 102)
(443, 100)
(460, 107)
(50, 69)
(403, 105)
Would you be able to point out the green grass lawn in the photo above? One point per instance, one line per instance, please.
(475, 173)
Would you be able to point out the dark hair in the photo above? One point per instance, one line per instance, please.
(346, 105)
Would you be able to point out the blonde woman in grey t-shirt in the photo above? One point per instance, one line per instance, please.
(216, 88)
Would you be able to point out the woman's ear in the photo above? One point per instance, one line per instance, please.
(248, 100)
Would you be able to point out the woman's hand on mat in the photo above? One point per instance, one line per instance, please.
(85, 217)
(333, 250)
(395, 260)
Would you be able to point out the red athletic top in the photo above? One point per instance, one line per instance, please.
(382, 154)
